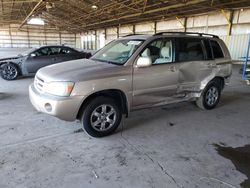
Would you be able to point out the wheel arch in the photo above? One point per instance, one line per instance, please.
(220, 80)
(115, 94)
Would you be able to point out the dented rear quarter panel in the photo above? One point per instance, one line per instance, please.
(195, 75)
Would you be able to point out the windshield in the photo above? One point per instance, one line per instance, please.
(118, 51)
(27, 52)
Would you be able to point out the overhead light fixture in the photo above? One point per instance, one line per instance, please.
(94, 7)
(36, 21)
(242, 10)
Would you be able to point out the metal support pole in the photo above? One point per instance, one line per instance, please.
(185, 24)
(75, 40)
(95, 40)
(91, 41)
(155, 27)
(87, 40)
(11, 43)
(105, 34)
(60, 37)
(229, 20)
(45, 37)
(117, 31)
(133, 29)
(28, 35)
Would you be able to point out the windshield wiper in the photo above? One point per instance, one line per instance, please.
(106, 61)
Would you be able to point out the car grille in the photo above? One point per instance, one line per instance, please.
(39, 84)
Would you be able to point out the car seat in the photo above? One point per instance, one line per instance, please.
(146, 53)
(165, 54)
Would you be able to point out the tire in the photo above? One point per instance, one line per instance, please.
(210, 96)
(9, 71)
(101, 117)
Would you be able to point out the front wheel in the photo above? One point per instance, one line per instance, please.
(8, 71)
(101, 117)
(210, 96)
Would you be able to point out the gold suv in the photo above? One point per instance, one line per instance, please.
(134, 72)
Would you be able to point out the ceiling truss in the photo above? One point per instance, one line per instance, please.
(80, 16)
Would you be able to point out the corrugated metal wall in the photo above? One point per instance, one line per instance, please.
(11, 37)
(213, 23)
(237, 45)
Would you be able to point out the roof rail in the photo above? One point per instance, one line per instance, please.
(131, 35)
(188, 33)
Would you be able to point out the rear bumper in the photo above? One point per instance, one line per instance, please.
(65, 108)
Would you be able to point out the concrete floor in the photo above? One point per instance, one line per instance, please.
(169, 147)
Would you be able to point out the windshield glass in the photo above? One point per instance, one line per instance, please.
(118, 51)
(26, 52)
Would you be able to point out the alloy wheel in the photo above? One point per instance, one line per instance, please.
(9, 72)
(103, 117)
(212, 96)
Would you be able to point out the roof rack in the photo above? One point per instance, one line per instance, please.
(131, 35)
(188, 33)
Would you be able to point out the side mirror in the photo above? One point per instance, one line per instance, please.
(33, 55)
(144, 62)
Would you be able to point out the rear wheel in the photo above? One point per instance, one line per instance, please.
(9, 71)
(101, 117)
(210, 96)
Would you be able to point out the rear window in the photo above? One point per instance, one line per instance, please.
(189, 49)
(216, 49)
(66, 51)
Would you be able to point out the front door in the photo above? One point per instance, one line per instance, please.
(38, 59)
(154, 84)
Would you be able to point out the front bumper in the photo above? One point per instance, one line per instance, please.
(65, 108)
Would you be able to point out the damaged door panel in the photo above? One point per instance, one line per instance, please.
(196, 65)
(154, 84)
(192, 74)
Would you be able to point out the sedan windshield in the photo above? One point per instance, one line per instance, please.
(27, 52)
(118, 51)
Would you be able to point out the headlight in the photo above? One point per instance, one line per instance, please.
(63, 89)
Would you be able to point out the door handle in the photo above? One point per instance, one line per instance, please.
(172, 68)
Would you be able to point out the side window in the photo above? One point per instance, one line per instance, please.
(55, 50)
(208, 49)
(66, 51)
(189, 49)
(43, 52)
(216, 49)
(160, 51)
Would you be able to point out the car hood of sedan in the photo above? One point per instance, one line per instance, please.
(77, 70)
(9, 58)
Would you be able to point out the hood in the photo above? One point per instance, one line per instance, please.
(9, 58)
(77, 70)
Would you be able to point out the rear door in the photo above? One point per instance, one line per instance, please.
(67, 54)
(196, 62)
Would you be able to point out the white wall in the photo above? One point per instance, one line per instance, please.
(34, 36)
